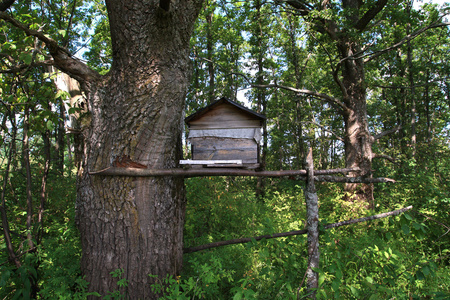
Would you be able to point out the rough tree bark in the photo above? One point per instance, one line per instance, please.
(133, 112)
(136, 111)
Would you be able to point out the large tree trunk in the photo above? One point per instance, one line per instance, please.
(358, 141)
(135, 113)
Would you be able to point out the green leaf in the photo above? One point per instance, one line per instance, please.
(238, 296)
(426, 270)
(321, 278)
(9, 46)
(408, 216)
(50, 125)
(354, 291)
(335, 285)
(72, 110)
(405, 229)
(27, 57)
(419, 275)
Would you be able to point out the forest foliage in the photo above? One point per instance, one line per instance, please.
(237, 46)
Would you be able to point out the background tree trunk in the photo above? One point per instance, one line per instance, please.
(135, 113)
(358, 140)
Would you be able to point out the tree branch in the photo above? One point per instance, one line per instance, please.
(387, 132)
(370, 14)
(322, 96)
(112, 171)
(62, 57)
(367, 180)
(384, 156)
(292, 233)
(409, 37)
(326, 129)
(325, 97)
(22, 67)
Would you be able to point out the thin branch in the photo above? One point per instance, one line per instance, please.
(23, 67)
(326, 129)
(325, 97)
(292, 233)
(322, 96)
(409, 37)
(440, 223)
(387, 132)
(367, 180)
(384, 156)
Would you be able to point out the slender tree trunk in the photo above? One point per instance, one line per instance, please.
(26, 162)
(60, 137)
(5, 223)
(260, 93)
(135, 113)
(29, 187)
(427, 107)
(43, 198)
(412, 89)
(209, 51)
(299, 107)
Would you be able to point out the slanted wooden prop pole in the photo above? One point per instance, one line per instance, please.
(294, 232)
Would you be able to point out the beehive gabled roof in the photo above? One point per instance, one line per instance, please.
(221, 101)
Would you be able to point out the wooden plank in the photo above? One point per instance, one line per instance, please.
(246, 157)
(223, 143)
(212, 148)
(206, 124)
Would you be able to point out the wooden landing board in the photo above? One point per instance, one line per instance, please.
(210, 162)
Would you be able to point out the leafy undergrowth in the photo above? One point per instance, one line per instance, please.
(401, 257)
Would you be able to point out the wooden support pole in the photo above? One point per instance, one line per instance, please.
(312, 226)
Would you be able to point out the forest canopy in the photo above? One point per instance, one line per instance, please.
(364, 84)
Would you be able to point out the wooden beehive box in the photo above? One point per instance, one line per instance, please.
(225, 134)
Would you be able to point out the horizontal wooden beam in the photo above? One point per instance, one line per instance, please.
(320, 175)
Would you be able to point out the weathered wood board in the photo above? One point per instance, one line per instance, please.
(211, 148)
